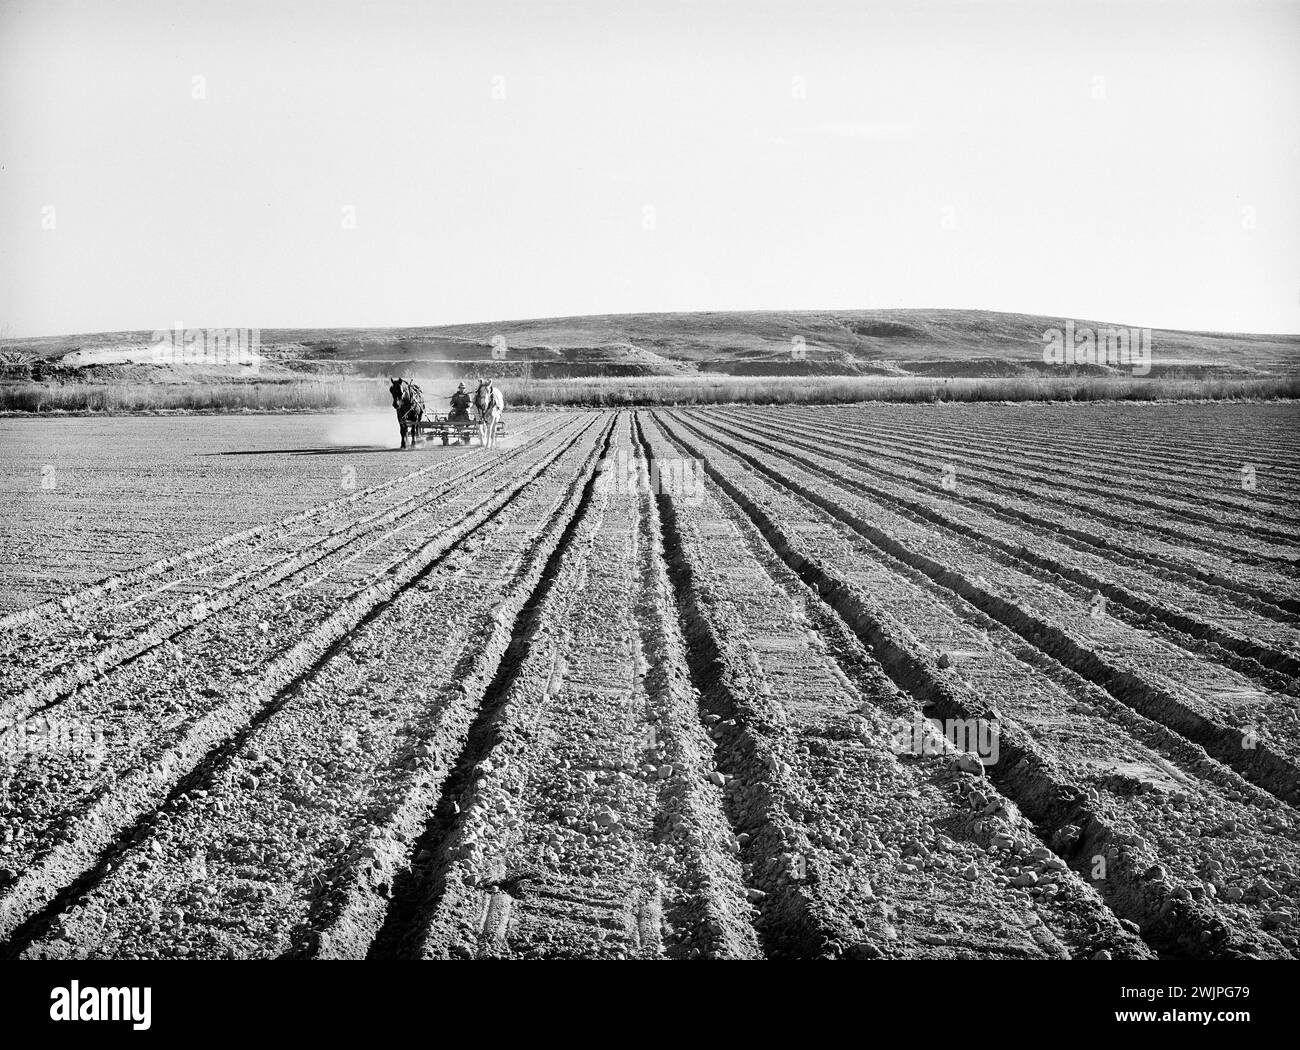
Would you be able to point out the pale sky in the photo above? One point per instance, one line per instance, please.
(1131, 162)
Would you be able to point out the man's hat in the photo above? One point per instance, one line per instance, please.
(460, 386)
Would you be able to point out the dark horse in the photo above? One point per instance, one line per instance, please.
(408, 400)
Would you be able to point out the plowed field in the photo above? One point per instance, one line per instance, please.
(861, 682)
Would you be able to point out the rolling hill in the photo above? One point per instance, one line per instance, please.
(930, 343)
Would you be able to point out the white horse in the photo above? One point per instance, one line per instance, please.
(491, 405)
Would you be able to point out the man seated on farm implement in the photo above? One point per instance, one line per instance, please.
(459, 405)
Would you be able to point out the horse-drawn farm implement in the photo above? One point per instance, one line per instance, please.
(452, 431)
(482, 416)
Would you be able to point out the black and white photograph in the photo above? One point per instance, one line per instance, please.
(609, 481)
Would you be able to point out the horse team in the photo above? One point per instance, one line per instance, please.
(408, 402)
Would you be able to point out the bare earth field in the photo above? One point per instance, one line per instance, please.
(85, 498)
(886, 681)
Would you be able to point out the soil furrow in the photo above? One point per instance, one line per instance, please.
(1105, 821)
(349, 749)
(569, 843)
(1154, 490)
(1048, 481)
(1117, 537)
(1247, 727)
(74, 810)
(104, 635)
(855, 849)
(1265, 645)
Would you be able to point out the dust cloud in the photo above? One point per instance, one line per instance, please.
(363, 429)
